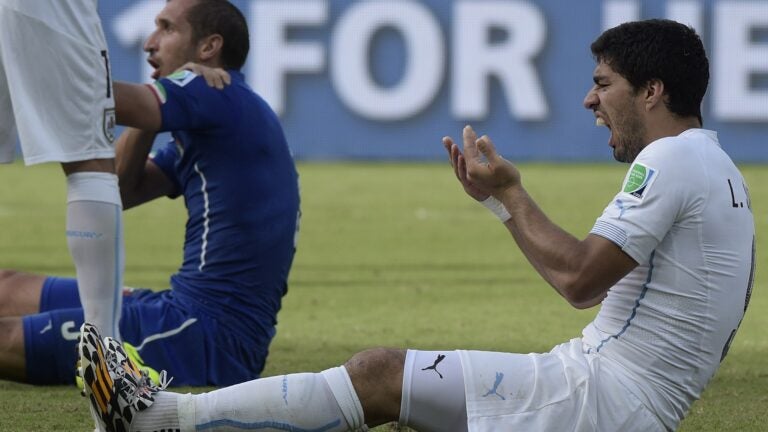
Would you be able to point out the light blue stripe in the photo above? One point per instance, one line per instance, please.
(637, 304)
(611, 232)
(265, 425)
(118, 286)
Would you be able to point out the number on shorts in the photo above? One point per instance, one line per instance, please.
(106, 68)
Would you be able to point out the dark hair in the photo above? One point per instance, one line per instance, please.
(221, 17)
(666, 50)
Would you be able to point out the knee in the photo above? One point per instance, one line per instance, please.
(377, 376)
(7, 282)
(6, 275)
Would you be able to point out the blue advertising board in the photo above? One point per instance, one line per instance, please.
(386, 79)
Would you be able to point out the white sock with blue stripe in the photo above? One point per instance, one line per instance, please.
(323, 401)
(95, 240)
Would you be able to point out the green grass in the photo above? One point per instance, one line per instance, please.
(392, 255)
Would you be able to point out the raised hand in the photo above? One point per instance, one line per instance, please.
(481, 171)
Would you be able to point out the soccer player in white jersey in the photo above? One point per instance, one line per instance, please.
(56, 92)
(670, 261)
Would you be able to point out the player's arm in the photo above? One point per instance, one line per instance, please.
(582, 271)
(137, 106)
(141, 180)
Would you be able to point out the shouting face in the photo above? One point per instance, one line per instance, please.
(617, 106)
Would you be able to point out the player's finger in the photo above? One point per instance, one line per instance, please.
(461, 172)
(486, 147)
(454, 154)
(218, 82)
(448, 145)
(470, 146)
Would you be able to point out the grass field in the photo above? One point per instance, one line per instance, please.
(389, 254)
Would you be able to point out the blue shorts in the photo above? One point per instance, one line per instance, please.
(170, 334)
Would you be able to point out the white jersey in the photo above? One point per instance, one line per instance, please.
(77, 18)
(55, 84)
(684, 215)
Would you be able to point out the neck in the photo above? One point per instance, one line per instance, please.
(670, 126)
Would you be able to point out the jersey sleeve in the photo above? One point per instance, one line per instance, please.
(656, 192)
(188, 103)
(165, 158)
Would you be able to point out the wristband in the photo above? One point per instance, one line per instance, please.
(497, 208)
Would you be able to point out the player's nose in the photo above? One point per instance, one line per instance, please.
(150, 45)
(591, 100)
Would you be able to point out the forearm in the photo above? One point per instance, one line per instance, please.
(132, 150)
(557, 255)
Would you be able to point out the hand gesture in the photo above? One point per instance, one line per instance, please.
(481, 171)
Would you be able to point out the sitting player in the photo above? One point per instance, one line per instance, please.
(230, 161)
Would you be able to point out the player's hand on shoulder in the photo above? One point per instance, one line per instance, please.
(214, 77)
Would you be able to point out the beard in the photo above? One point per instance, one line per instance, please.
(628, 135)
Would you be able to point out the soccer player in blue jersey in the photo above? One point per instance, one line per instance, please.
(230, 161)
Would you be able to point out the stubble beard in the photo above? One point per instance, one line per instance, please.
(629, 135)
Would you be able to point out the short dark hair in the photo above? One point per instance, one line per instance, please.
(666, 50)
(221, 17)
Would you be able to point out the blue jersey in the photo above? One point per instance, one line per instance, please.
(230, 160)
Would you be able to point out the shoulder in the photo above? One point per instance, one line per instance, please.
(179, 79)
(679, 154)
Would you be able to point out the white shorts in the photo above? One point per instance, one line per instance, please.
(563, 390)
(55, 84)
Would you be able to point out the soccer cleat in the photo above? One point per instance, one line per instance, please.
(135, 357)
(116, 388)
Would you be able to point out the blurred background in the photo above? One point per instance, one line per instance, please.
(386, 79)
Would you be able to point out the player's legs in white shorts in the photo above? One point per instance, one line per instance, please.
(56, 92)
(563, 390)
(55, 87)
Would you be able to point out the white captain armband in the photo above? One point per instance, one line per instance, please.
(497, 208)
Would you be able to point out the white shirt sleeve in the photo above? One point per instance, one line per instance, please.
(657, 191)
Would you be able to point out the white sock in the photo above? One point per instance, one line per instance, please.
(308, 401)
(163, 414)
(95, 240)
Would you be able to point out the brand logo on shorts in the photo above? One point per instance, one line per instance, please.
(440, 357)
(109, 124)
(639, 180)
(494, 391)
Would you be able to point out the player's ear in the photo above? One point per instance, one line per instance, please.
(654, 93)
(210, 47)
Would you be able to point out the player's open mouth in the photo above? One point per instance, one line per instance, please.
(156, 72)
(600, 122)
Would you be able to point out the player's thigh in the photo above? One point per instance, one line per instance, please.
(61, 93)
(433, 397)
(507, 391)
(20, 293)
(168, 336)
(561, 390)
